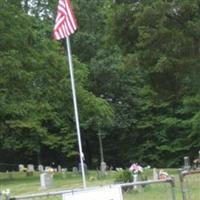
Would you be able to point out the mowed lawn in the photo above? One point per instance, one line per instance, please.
(19, 184)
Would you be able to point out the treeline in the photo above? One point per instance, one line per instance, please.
(137, 75)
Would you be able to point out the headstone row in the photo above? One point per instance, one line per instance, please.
(40, 168)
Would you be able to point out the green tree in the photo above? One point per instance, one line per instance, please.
(35, 96)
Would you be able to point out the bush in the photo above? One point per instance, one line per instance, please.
(123, 176)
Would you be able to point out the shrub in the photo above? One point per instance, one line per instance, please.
(123, 176)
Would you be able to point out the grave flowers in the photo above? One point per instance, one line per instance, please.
(136, 171)
(136, 168)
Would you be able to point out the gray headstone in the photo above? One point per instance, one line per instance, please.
(186, 163)
(85, 168)
(59, 168)
(46, 180)
(103, 168)
(155, 174)
(75, 170)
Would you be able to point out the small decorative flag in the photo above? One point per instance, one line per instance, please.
(65, 23)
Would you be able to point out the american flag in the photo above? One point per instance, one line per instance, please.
(65, 23)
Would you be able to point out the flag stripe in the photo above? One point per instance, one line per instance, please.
(71, 14)
(65, 23)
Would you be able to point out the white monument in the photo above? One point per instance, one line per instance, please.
(40, 168)
(30, 168)
(46, 180)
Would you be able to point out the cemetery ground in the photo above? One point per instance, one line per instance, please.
(20, 184)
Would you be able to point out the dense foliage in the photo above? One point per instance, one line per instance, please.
(137, 77)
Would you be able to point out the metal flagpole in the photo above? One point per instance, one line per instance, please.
(75, 109)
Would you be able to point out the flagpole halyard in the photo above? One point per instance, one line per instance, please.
(75, 109)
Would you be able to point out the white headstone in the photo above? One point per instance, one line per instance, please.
(21, 167)
(64, 170)
(30, 168)
(40, 168)
(155, 174)
(46, 180)
(46, 168)
(59, 168)
(55, 170)
(186, 163)
(103, 168)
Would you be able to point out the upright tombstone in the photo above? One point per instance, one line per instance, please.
(85, 167)
(186, 163)
(40, 168)
(59, 168)
(30, 168)
(46, 180)
(21, 168)
(64, 172)
(75, 170)
(46, 168)
(55, 170)
(155, 174)
(103, 168)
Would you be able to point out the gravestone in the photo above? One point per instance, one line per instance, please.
(40, 168)
(103, 168)
(155, 174)
(186, 163)
(46, 168)
(46, 180)
(21, 168)
(59, 168)
(30, 168)
(55, 170)
(64, 172)
(75, 170)
(85, 167)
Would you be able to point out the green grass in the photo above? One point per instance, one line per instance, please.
(20, 184)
